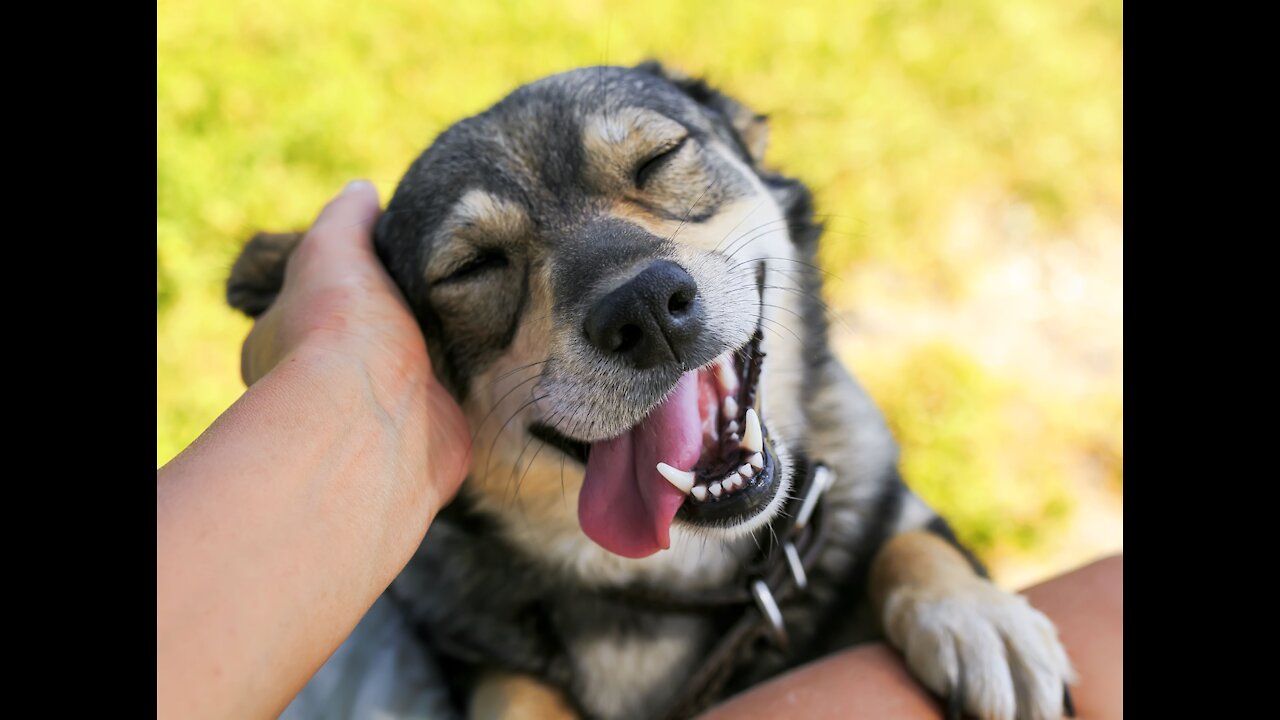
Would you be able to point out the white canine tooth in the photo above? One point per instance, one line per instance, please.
(753, 438)
(756, 461)
(681, 479)
(700, 492)
(730, 407)
(747, 471)
(716, 489)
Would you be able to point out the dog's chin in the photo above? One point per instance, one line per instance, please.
(740, 480)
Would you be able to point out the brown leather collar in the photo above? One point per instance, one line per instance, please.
(776, 576)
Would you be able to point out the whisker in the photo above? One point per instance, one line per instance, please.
(528, 467)
(745, 232)
(790, 260)
(751, 239)
(828, 310)
(489, 459)
(789, 331)
(498, 403)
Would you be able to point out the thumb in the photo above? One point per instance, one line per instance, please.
(347, 221)
(342, 234)
(351, 212)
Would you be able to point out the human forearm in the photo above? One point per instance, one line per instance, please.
(280, 526)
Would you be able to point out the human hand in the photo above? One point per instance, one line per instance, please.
(338, 304)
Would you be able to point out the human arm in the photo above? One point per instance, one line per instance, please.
(282, 523)
(871, 681)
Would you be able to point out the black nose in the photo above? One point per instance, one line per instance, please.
(654, 318)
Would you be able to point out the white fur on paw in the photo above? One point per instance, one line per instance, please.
(1009, 655)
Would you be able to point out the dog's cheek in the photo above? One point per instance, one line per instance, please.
(503, 396)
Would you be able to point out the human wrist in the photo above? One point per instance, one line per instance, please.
(374, 404)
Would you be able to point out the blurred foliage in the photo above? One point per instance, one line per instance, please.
(998, 457)
(887, 109)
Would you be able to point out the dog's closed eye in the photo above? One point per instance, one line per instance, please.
(477, 265)
(655, 162)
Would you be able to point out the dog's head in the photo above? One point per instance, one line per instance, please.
(611, 285)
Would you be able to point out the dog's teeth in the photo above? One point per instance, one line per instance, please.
(709, 427)
(756, 461)
(681, 479)
(710, 434)
(730, 408)
(700, 492)
(716, 489)
(747, 471)
(732, 483)
(732, 427)
(753, 438)
(726, 375)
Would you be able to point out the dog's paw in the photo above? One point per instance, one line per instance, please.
(988, 652)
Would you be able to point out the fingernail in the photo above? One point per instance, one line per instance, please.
(356, 185)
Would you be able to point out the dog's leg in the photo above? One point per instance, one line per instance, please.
(988, 652)
(516, 696)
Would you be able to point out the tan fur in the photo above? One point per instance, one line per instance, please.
(512, 696)
(488, 213)
(478, 219)
(616, 141)
(916, 559)
(637, 215)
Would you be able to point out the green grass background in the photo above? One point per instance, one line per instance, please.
(889, 110)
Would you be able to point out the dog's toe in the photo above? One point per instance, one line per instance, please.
(988, 652)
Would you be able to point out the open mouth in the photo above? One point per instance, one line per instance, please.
(702, 456)
(734, 475)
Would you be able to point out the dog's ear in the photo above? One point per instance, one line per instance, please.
(749, 128)
(258, 273)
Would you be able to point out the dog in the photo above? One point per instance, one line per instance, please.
(676, 490)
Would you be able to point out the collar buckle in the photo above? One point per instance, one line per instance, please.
(769, 608)
(797, 567)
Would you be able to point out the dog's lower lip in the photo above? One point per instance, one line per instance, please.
(576, 449)
(740, 505)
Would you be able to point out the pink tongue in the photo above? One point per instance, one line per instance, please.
(625, 505)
